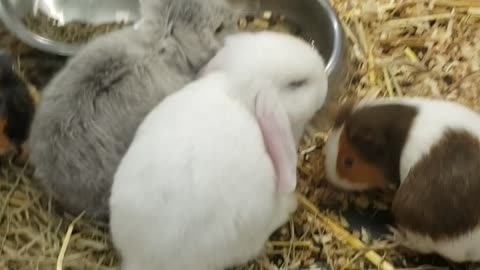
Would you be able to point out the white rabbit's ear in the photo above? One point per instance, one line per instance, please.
(278, 138)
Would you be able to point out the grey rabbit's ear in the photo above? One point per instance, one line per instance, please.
(165, 10)
(339, 113)
(244, 7)
(157, 9)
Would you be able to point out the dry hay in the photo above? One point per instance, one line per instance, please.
(415, 48)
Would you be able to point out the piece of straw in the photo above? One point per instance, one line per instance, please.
(388, 82)
(404, 22)
(411, 55)
(63, 250)
(296, 244)
(458, 3)
(356, 243)
(368, 52)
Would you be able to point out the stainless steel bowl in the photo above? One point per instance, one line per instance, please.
(316, 17)
(89, 11)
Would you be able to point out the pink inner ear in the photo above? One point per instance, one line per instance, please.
(278, 138)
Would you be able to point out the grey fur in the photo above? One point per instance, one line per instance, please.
(90, 110)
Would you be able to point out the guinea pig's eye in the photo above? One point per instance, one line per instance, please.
(219, 28)
(348, 162)
(297, 83)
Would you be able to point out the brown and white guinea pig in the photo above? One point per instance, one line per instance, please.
(428, 150)
(17, 107)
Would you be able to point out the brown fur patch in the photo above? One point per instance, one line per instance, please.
(440, 195)
(378, 133)
(341, 113)
(351, 165)
(6, 145)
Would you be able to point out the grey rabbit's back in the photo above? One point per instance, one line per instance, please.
(91, 109)
(89, 113)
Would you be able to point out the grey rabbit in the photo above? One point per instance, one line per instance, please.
(91, 109)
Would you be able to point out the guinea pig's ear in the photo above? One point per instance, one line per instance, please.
(370, 138)
(340, 113)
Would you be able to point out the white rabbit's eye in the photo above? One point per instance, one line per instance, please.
(297, 83)
(219, 28)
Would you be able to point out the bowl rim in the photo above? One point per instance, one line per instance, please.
(338, 47)
(16, 27)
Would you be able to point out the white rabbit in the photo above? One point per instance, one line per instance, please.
(211, 171)
(90, 110)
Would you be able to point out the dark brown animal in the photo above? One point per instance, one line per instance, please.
(17, 107)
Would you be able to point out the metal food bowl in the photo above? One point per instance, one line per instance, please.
(88, 11)
(316, 17)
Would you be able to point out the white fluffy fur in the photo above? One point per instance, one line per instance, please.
(307, 64)
(434, 117)
(196, 189)
(206, 201)
(463, 249)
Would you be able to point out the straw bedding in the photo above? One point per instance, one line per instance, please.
(423, 48)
